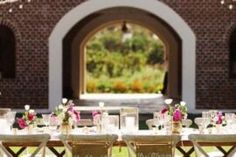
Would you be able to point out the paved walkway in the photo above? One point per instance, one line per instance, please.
(147, 103)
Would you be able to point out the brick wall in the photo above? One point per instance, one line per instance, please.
(212, 24)
(32, 25)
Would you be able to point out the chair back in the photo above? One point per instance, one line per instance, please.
(150, 123)
(85, 122)
(187, 122)
(198, 139)
(92, 145)
(39, 139)
(152, 145)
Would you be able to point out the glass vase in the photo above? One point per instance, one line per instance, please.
(65, 128)
(176, 127)
(30, 129)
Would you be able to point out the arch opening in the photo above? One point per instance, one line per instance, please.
(7, 53)
(82, 31)
(232, 55)
(157, 9)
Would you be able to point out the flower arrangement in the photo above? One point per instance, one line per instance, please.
(28, 118)
(177, 112)
(66, 112)
(218, 119)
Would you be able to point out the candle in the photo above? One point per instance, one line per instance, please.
(101, 104)
(130, 123)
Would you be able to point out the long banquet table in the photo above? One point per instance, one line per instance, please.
(54, 142)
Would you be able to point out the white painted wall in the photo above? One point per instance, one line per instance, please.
(155, 7)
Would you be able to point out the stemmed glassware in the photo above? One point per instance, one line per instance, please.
(53, 122)
(113, 123)
(11, 118)
(205, 120)
(159, 120)
(229, 117)
(156, 120)
(46, 119)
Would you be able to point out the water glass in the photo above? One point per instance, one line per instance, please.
(229, 117)
(11, 117)
(156, 119)
(46, 119)
(53, 123)
(213, 113)
(206, 114)
(129, 119)
(160, 119)
(206, 118)
(113, 123)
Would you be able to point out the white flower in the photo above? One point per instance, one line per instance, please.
(31, 111)
(64, 100)
(182, 103)
(215, 119)
(101, 104)
(60, 107)
(27, 107)
(64, 109)
(168, 101)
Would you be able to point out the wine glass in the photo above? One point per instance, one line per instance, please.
(46, 119)
(229, 117)
(155, 117)
(157, 120)
(213, 113)
(53, 122)
(207, 116)
(11, 118)
(113, 123)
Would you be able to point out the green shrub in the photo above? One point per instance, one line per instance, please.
(117, 66)
(120, 87)
(136, 86)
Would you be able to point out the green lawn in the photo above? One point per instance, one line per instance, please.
(123, 152)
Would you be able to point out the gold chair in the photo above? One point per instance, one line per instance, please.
(198, 139)
(89, 145)
(39, 139)
(152, 145)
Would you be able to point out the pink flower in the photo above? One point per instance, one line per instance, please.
(77, 115)
(70, 103)
(219, 118)
(95, 113)
(22, 123)
(54, 119)
(31, 116)
(164, 110)
(70, 108)
(177, 115)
